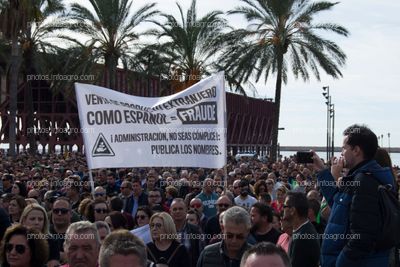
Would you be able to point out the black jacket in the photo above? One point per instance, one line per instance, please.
(304, 249)
(142, 201)
(212, 227)
(4, 222)
(215, 256)
(191, 238)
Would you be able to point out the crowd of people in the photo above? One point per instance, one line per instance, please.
(248, 214)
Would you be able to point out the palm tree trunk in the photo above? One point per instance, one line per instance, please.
(14, 70)
(29, 102)
(111, 66)
(278, 90)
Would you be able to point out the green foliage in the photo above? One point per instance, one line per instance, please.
(109, 27)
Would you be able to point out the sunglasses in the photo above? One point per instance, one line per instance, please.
(286, 206)
(99, 194)
(142, 217)
(156, 225)
(196, 206)
(60, 211)
(20, 249)
(123, 187)
(154, 196)
(104, 211)
(223, 205)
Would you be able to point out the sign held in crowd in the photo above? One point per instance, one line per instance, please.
(186, 129)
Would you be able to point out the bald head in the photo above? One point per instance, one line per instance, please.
(223, 203)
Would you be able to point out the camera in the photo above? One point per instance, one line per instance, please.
(304, 157)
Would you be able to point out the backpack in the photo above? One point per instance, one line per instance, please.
(389, 209)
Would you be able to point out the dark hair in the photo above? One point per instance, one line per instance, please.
(266, 197)
(76, 183)
(146, 210)
(172, 191)
(266, 248)
(382, 157)
(160, 191)
(298, 201)
(116, 204)
(110, 173)
(195, 213)
(9, 177)
(20, 202)
(38, 246)
(264, 210)
(118, 220)
(65, 199)
(362, 136)
(22, 188)
(243, 182)
(257, 186)
(137, 181)
(314, 205)
(89, 212)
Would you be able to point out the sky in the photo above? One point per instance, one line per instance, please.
(368, 93)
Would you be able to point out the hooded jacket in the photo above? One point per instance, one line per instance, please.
(353, 226)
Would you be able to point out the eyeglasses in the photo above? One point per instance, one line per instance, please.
(142, 217)
(20, 249)
(156, 225)
(196, 206)
(238, 236)
(154, 196)
(104, 211)
(222, 205)
(60, 211)
(286, 206)
(99, 194)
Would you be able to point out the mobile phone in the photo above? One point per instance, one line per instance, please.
(304, 157)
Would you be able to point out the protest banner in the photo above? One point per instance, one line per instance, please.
(187, 129)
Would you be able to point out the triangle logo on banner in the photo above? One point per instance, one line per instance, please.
(102, 148)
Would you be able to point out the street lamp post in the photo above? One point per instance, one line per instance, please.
(389, 143)
(333, 129)
(382, 140)
(327, 97)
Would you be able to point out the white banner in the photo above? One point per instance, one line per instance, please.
(186, 129)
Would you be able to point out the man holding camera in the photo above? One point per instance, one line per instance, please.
(352, 230)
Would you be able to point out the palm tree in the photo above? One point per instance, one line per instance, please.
(16, 21)
(190, 44)
(282, 34)
(110, 28)
(14, 18)
(34, 46)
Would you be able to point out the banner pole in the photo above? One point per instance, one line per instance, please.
(225, 134)
(91, 182)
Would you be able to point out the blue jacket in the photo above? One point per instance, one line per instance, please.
(353, 223)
